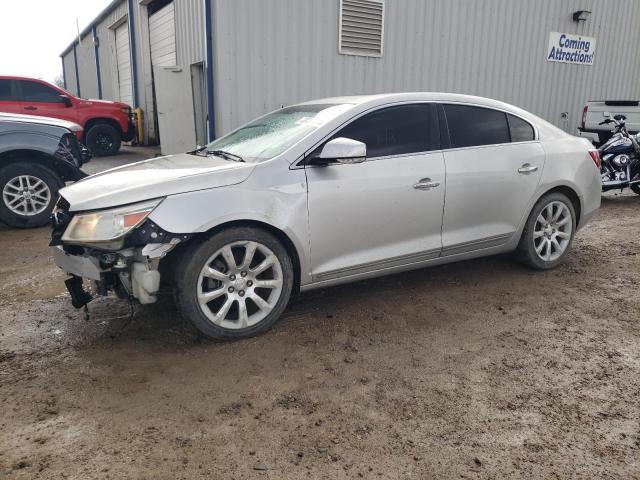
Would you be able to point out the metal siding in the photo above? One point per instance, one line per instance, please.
(70, 72)
(87, 67)
(123, 64)
(189, 18)
(106, 51)
(162, 37)
(270, 53)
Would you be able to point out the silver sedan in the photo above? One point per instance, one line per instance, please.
(322, 193)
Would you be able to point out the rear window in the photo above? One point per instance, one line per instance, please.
(472, 126)
(5, 90)
(520, 130)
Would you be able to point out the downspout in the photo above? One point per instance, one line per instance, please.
(96, 44)
(208, 30)
(75, 63)
(64, 73)
(132, 45)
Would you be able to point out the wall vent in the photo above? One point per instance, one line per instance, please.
(361, 27)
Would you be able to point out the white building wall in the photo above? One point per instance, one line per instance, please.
(270, 53)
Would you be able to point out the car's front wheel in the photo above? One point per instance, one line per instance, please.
(548, 233)
(235, 284)
(29, 192)
(103, 139)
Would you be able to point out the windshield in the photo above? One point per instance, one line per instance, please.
(272, 134)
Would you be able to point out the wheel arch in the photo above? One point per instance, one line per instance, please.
(25, 155)
(98, 121)
(571, 194)
(286, 241)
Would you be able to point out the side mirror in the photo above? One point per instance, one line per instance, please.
(342, 150)
(66, 100)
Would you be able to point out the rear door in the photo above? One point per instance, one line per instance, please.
(381, 213)
(35, 98)
(493, 167)
(9, 97)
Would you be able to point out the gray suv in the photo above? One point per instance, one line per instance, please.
(37, 156)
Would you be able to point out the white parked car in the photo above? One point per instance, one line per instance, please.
(322, 193)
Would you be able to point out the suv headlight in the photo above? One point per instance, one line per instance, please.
(107, 228)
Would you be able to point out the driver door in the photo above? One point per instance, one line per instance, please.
(387, 211)
(35, 98)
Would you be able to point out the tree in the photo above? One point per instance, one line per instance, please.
(59, 81)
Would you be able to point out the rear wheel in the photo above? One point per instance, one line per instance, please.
(103, 139)
(235, 284)
(548, 233)
(29, 192)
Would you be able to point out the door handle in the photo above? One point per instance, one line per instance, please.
(30, 108)
(527, 168)
(425, 184)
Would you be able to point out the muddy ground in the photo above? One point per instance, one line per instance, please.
(481, 369)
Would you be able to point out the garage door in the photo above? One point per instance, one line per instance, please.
(123, 61)
(162, 37)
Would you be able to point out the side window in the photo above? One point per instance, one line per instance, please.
(520, 130)
(396, 130)
(37, 92)
(5, 90)
(471, 126)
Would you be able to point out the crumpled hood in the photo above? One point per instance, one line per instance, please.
(154, 178)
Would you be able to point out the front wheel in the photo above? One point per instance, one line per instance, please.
(103, 139)
(635, 188)
(235, 284)
(548, 232)
(29, 192)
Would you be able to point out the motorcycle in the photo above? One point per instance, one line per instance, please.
(620, 156)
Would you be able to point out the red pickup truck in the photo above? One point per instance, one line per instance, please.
(105, 124)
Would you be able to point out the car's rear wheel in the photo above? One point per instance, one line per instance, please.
(548, 233)
(29, 192)
(235, 284)
(103, 139)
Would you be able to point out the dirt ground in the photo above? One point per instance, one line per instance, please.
(481, 369)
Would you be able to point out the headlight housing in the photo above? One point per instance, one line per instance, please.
(107, 228)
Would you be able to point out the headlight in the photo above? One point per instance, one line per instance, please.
(107, 228)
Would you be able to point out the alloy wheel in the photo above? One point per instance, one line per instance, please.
(552, 231)
(240, 284)
(26, 195)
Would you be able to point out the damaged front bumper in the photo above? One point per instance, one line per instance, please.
(130, 273)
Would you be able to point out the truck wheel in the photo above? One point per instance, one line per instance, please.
(29, 192)
(235, 284)
(103, 139)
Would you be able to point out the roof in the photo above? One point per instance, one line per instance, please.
(415, 96)
(108, 9)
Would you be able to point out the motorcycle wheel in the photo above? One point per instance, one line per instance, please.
(635, 188)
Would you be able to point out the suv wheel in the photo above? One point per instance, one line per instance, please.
(548, 233)
(235, 284)
(29, 192)
(103, 139)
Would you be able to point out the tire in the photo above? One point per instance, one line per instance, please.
(556, 235)
(636, 189)
(220, 314)
(103, 139)
(34, 209)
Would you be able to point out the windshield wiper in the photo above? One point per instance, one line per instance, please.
(226, 155)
